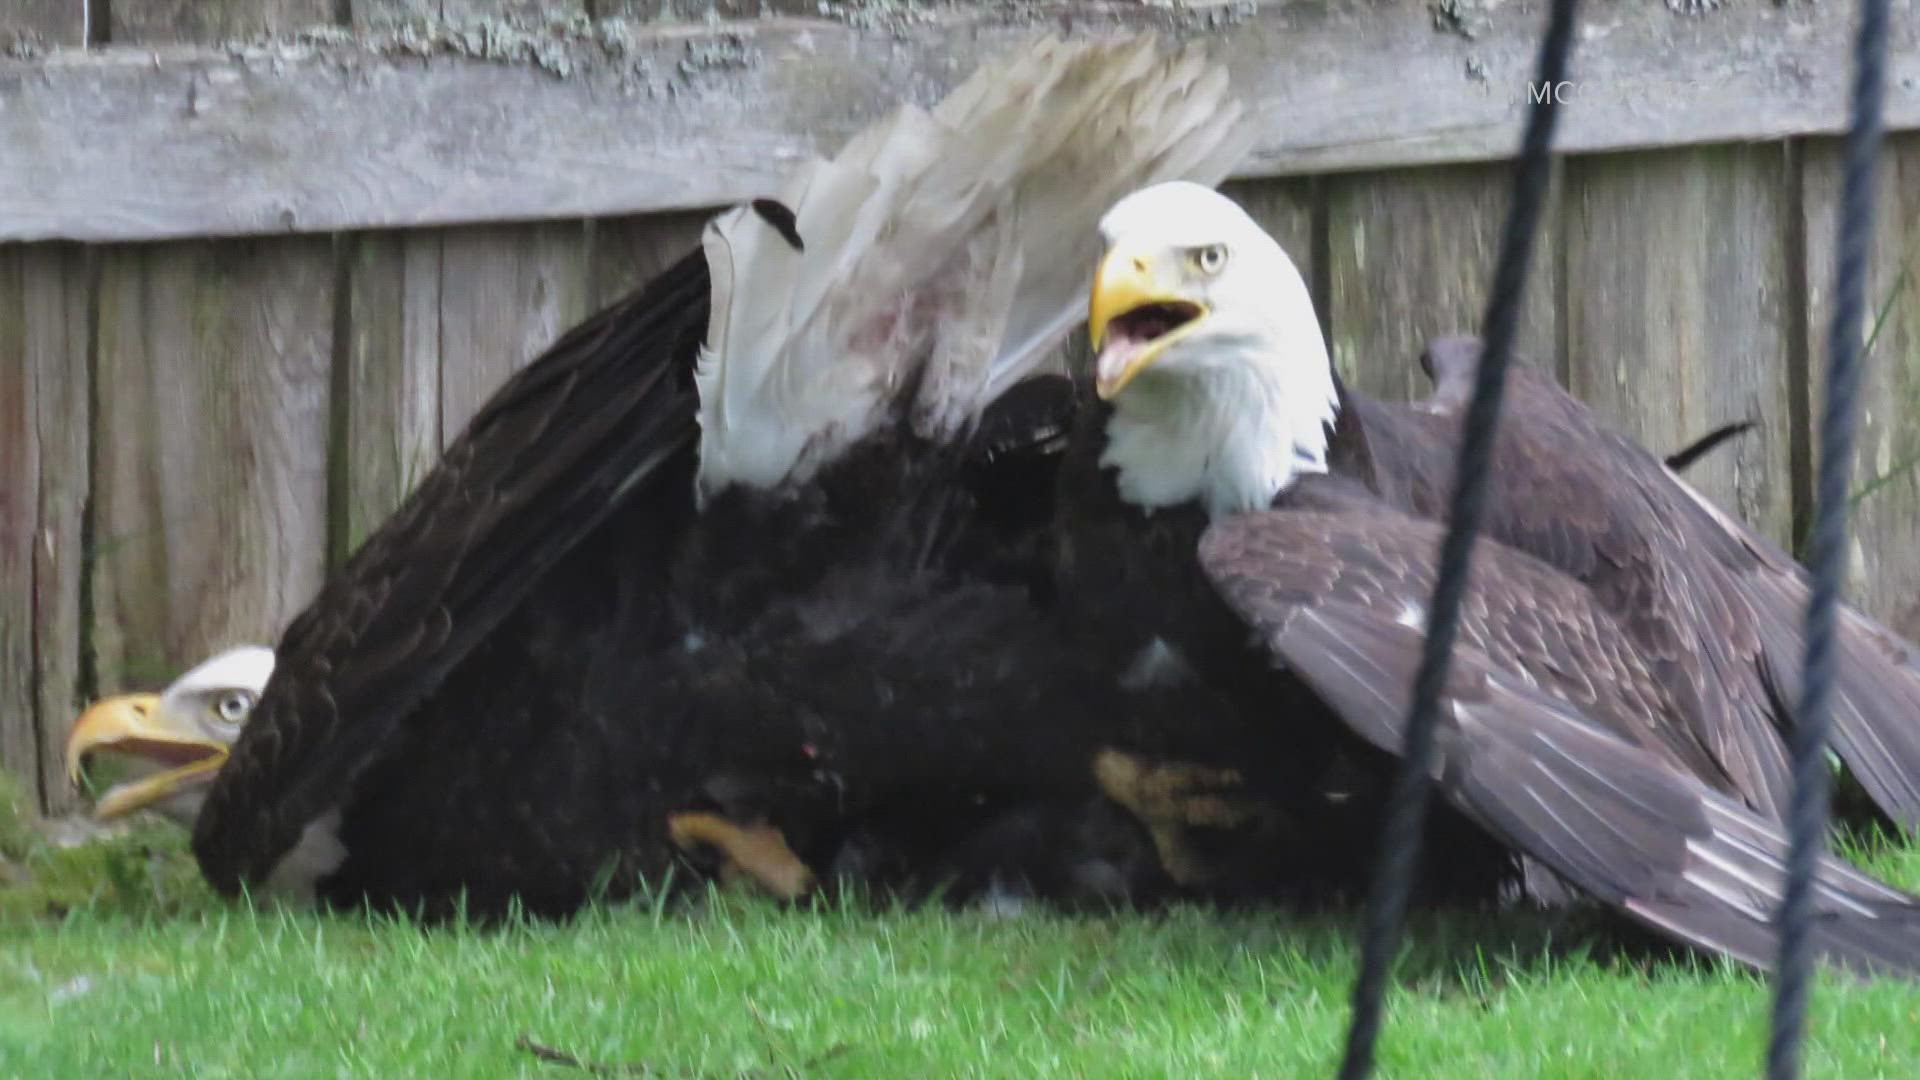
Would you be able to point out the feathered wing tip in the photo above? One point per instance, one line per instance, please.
(943, 253)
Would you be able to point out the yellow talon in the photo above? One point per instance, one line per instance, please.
(1170, 799)
(758, 851)
(1172, 792)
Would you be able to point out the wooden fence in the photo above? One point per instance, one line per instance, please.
(248, 291)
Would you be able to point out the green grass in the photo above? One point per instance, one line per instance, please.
(144, 973)
(144, 869)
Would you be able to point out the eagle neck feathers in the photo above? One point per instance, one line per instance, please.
(1231, 437)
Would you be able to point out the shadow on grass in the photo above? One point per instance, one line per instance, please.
(147, 874)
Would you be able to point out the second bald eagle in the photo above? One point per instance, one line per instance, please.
(1613, 710)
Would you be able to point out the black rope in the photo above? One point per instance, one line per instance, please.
(1406, 809)
(1807, 817)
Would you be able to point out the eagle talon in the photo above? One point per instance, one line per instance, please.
(759, 852)
(1173, 792)
(1173, 798)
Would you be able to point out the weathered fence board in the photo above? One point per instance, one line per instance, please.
(1410, 258)
(388, 403)
(1678, 310)
(20, 474)
(625, 253)
(536, 12)
(59, 305)
(31, 23)
(318, 137)
(385, 13)
(438, 319)
(1885, 567)
(146, 22)
(506, 292)
(210, 460)
(44, 292)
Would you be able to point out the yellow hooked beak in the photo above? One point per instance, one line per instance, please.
(1133, 284)
(162, 755)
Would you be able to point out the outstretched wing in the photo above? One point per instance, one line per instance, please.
(1876, 701)
(920, 273)
(1725, 603)
(585, 427)
(1564, 492)
(1568, 785)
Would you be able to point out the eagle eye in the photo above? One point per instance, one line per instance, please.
(1210, 259)
(234, 705)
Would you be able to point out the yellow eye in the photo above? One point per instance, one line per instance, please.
(1210, 259)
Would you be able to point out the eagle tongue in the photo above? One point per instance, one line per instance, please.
(1115, 355)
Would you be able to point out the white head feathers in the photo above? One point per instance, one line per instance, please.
(1238, 402)
(247, 667)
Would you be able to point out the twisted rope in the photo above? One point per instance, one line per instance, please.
(1807, 816)
(1406, 809)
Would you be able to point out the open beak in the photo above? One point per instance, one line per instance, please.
(1135, 314)
(160, 757)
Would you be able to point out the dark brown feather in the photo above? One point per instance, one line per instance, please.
(1719, 606)
(1534, 621)
(1595, 796)
(1706, 444)
(606, 407)
(545, 652)
(1596, 507)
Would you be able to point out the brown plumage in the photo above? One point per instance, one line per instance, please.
(1717, 605)
(1609, 718)
(651, 565)
(1552, 735)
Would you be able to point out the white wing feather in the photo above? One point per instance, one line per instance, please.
(946, 253)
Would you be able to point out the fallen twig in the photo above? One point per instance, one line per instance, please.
(823, 1057)
(555, 1056)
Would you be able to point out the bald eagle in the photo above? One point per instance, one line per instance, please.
(169, 746)
(1235, 517)
(554, 744)
(737, 561)
(780, 702)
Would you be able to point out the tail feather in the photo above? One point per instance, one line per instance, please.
(945, 252)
